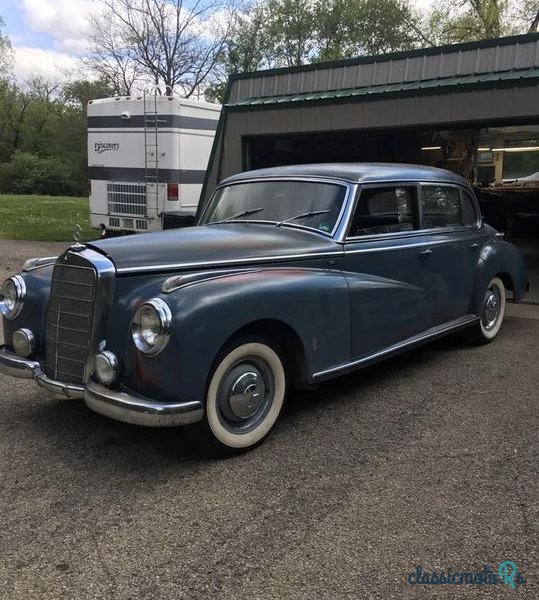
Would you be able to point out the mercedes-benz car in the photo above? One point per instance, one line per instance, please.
(291, 276)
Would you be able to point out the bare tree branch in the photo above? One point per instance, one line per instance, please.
(167, 42)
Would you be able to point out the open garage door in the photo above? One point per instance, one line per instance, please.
(452, 150)
(501, 163)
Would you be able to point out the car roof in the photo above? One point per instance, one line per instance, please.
(355, 173)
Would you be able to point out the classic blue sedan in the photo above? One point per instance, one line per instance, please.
(292, 275)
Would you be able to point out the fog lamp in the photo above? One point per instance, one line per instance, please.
(23, 342)
(106, 367)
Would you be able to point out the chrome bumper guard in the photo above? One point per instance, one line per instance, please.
(120, 406)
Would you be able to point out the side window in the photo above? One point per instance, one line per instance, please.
(384, 210)
(469, 215)
(440, 206)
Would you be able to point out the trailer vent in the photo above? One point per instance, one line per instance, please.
(141, 224)
(114, 221)
(126, 199)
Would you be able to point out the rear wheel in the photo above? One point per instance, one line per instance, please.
(244, 398)
(492, 313)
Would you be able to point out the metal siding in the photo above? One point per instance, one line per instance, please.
(449, 65)
(415, 68)
(506, 58)
(398, 70)
(432, 66)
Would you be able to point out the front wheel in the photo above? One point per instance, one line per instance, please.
(244, 398)
(492, 313)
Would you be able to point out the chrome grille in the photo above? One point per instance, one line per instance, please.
(126, 199)
(69, 322)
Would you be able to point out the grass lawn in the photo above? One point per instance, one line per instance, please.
(47, 218)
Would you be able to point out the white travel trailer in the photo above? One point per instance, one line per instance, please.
(147, 157)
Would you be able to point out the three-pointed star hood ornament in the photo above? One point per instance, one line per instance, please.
(77, 232)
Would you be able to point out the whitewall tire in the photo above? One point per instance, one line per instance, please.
(245, 395)
(492, 311)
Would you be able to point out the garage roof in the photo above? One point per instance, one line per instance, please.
(492, 79)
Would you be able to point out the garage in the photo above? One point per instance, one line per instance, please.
(472, 108)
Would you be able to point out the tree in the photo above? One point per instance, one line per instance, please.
(276, 33)
(355, 27)
(469, 20)
(79, 92)
(6, 53)
(291, 27)
(174, 44)
(529, 14)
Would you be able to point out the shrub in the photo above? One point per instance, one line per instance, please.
(29, 174)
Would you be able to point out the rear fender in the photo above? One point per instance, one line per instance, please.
(501, 259)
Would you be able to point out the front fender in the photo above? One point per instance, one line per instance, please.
(501, 258)
(314, 303)
(33, 313)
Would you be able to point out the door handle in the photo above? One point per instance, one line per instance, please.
(474, 246)
(426, 252)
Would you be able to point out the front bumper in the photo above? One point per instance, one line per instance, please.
(121, 406)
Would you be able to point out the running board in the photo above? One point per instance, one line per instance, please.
(416, 340)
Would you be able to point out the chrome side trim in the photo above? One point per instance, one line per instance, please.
(180, 281)
(429, 334)
(238, 261)
(138, 410)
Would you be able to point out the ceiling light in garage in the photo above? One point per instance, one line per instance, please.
(521, 149)
(431, 148)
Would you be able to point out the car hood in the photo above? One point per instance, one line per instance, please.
(211, 245)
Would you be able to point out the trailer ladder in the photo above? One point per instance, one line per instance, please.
(151, 148)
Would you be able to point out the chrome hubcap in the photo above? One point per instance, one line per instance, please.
(491, 307)
(245, 395)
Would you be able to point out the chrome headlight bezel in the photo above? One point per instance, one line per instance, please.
(20, 294)
(163, 314)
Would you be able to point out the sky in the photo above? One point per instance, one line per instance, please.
(48, 35)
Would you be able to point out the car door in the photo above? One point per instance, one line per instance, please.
(382, 265)
(450, 217)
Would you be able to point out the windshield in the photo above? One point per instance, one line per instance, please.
(307, 203)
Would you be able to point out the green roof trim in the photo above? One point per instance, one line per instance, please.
(439, 85)
(447, 49)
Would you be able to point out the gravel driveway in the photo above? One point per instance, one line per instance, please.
(427, 459)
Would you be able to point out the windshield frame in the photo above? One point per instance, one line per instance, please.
(335, 233)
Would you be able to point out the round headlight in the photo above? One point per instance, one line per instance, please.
(106, 367)
(151, 326)
(12, 293)
(23, 342)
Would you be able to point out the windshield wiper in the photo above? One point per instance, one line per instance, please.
(244, 213)
(302, 216)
